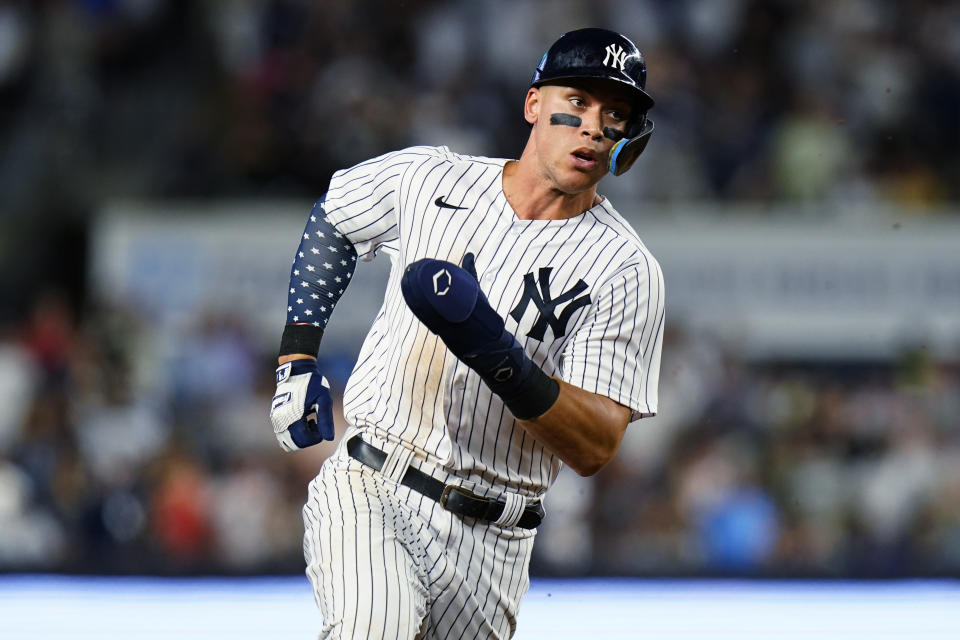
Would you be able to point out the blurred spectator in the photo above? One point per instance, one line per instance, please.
(734, 519)
(18, 377)
(811, 155)
(15, 43)
(29, 536)
(254, 521)
(180, 510)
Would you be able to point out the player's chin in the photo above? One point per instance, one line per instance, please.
(582, 178)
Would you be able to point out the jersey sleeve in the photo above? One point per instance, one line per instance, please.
(362, 200)
(616, 352)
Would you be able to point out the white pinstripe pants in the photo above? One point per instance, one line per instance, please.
(387, 562)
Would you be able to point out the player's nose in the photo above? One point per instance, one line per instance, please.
(592, 124)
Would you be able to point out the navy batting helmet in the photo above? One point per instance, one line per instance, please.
(605, 55)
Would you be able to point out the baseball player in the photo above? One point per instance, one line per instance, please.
(520, 330)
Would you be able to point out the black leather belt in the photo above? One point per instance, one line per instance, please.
(451, 497)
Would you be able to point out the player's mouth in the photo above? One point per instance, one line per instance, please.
(584, 158)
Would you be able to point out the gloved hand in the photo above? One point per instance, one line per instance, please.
(302, 409)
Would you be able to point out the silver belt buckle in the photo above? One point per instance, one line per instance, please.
(450, 488)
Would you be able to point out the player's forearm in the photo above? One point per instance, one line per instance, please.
(582, 428)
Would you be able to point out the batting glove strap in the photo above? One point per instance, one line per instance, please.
(302, 409)
(534, 396)
(523, 386)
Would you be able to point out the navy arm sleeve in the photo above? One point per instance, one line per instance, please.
(321, 270)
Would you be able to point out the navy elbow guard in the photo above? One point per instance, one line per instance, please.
(448, 300)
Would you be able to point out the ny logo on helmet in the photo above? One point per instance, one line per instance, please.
(616, 56)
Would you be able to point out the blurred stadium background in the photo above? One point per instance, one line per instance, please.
(157, 163)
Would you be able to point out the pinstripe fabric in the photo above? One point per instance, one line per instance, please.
(388, 563)
(407, 388)
(585, 299)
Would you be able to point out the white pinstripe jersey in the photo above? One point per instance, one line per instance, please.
(582, 295)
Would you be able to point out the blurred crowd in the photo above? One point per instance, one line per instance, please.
(780, 469)
(118, 457)
(120, 453)
(756, 99)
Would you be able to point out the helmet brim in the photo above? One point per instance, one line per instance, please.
(641, 99)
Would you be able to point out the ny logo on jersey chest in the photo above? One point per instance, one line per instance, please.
(538, 293)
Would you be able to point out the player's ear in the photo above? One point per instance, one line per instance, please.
(531, 106)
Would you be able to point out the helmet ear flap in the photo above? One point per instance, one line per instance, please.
(637, 125)
(626, 151)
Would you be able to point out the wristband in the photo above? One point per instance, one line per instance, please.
(534, 396)
(300, 338)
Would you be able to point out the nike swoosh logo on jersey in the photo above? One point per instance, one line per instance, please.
(445, 205)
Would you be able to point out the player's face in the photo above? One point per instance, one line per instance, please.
(575, 127)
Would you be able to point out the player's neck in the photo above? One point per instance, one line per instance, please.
(533, 198)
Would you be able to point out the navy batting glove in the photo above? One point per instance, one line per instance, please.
(302, 409)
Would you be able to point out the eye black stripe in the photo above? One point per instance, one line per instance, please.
(565, 119)
(613, 134)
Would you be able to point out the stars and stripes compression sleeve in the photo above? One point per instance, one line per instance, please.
(322, 268)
